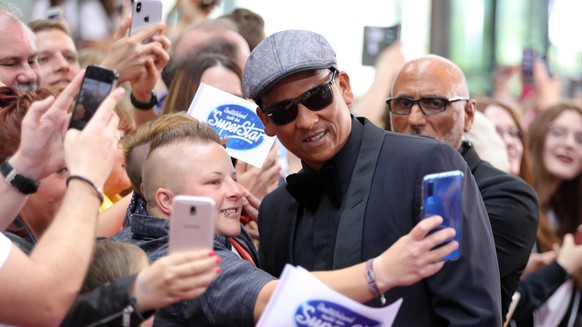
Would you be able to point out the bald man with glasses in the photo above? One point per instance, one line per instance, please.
(360, 188)
(430, 98)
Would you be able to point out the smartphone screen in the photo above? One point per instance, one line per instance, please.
(97, 84)
(442, 194)
(192, 223)
(145, 13)
(377, 39)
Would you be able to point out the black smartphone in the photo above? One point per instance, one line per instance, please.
(377, 39)
(97, 84)
(54, 13)
(442, 194)
(527, 66)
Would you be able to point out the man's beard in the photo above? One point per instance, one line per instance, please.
(23, 88)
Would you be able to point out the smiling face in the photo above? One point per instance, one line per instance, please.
(58, 58)
(216, 180)
(510, 132)
(314, 136)
(562, 154)
(18, 66)
(434, 76)
(198, 168)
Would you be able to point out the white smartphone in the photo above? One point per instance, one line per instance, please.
(191, 223)
(144, 14)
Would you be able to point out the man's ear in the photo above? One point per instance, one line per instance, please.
(343, 80)
(469, 115)
(163, 198)
(269, 130)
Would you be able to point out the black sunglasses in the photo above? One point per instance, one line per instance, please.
(315, 99)
(430, 105)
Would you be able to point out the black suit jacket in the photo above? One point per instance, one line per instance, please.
(381, 204)
(513, 211)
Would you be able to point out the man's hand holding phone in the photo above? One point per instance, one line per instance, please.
(129, 55)
(415, 255)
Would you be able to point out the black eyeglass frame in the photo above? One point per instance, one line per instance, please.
(417, 102)
(292, 103)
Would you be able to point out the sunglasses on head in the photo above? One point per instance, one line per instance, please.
(315, 99)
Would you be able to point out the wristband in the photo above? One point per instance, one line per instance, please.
(371, 277)
(13, 177)
(144, 105)
(81, 178)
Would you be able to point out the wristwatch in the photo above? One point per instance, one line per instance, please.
(144, 105)
(14, 178)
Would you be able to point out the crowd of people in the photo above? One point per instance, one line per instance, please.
(86, 213)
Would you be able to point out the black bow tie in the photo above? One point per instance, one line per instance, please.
(308, 187)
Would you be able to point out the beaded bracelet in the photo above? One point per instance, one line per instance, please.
(371, 277)
(81, 178)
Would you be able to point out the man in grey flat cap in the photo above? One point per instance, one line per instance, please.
(360, 188)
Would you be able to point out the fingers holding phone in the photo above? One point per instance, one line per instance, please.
(144, 15)
(414, 256)
(94, 132)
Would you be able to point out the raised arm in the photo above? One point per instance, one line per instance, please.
(409, 260)
(49, 280)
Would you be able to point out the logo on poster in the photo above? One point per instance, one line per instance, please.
(242, 128)
(328, 314)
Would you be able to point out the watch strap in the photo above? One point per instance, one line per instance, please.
(144, 105)
(13, 177)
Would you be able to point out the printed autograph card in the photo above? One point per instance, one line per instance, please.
(235, 119)
(302, 300)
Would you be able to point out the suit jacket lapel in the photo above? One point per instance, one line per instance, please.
(348, 245)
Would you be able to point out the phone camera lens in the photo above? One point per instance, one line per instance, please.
(192, 210)
(138, 7)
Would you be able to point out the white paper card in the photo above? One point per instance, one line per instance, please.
(235, 119)
(301, 299)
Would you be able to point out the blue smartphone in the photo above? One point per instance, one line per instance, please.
(442, 194)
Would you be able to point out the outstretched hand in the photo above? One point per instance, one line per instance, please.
(414, 256)
(176, 277)
(43, 128)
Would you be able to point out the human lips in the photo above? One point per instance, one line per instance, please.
(233, 212)
(564, 158)
(60, 82)
(315, 138)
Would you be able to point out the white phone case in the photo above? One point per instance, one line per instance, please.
(192, 223)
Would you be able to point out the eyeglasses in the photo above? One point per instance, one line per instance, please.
(561, 133)
(428, 105)
(315, 99)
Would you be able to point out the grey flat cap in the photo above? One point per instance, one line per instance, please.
(282, 54)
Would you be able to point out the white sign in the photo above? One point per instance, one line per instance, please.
(301, 299)
(235, 119)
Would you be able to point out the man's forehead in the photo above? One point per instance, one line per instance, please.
(17, 41)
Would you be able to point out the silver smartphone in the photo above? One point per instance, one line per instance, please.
(144, 14)
(192, 223)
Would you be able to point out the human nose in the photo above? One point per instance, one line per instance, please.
(416, 117)
(27, 75)
(235, 190)
(305, 118)
(62, 63)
